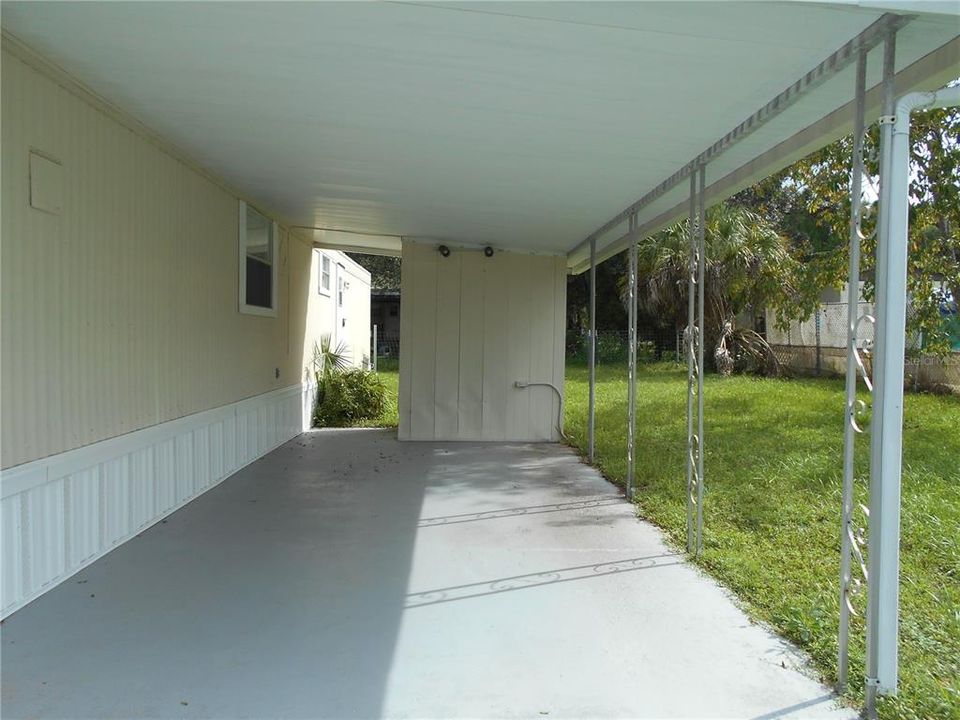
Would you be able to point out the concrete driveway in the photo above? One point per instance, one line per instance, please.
(347, 575)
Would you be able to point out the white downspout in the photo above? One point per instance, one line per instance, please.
(891, 321)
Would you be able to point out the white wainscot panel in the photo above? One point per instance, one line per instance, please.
(60, 513)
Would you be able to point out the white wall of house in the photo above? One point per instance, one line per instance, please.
(344, 317)
(131, 380)
(470, 328)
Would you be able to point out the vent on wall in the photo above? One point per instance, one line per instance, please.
(46, 183)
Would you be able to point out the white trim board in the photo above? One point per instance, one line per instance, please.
(60, 513)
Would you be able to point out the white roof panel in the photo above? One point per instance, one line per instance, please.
(523, 125)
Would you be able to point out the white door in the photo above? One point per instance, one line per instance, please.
(342, 336)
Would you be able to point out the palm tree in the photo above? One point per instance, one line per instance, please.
(748, 266)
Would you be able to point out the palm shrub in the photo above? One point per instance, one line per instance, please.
(748, 265)
(345, 396)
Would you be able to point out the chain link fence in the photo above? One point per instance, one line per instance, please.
(653, 345)
(385, 347)
(818, 346)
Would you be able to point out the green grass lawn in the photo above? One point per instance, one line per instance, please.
(772, 508)
(391, 378)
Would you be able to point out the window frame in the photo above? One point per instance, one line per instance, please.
(325, 259)
(243, 307)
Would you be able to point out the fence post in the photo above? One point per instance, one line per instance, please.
(374, 359)
(816, 329)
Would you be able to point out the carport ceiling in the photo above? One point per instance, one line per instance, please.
(522, 125)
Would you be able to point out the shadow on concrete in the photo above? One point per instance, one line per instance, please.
(823, 701)
(517, 512)
(533, 580)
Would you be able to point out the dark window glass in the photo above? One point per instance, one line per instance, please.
(259, 277)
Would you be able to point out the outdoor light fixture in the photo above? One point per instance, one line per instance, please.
(488, 251)
(444, 250)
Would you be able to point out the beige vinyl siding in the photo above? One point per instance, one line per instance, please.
(121, 311)
(472, 326)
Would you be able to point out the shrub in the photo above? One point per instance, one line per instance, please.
(611, 348)
(348, 397)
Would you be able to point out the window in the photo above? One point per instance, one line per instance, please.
(341, 286)
(258, 266)
(324, 274)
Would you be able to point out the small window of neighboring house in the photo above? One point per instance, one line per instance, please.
(258, 263)
(324, 274)
(341, 286)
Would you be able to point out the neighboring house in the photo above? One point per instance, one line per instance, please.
(819, 343)
(341, 294)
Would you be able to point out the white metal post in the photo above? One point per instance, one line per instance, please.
(592, 353)
(849, 538)
(632, 359)
(694, 340)
(690, 342)
(886, 422)
(887, 434)
(701, 333)
(374, 348)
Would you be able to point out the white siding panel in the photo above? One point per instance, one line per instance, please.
(46, 540)
(423, 341)
(496, 307)
(166, 456)
(231, 457)
(184, 465)
(59, 514)
(470, 406)
(83, 515)
(471, 327)
(11, 535)
(116, 500)
(215, 455)
(517, 346)
(253, 434)
(142, 490)
(543, 311)
(447, 391)
(242, 438)
(201, 458)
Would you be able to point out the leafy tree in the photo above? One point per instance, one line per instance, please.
(810, 203)
(611, 313)
(748, 267)
(384, 270)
